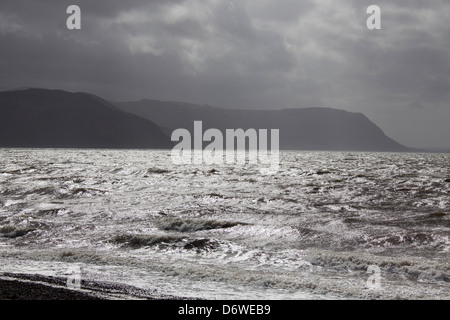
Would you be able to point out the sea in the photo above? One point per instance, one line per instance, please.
(130, 224)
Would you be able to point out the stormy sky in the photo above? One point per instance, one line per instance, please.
(259, 54)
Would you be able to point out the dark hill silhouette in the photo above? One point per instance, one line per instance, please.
(59, 119)
(300, 129)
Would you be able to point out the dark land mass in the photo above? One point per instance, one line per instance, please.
(38, 118)
(300, 129)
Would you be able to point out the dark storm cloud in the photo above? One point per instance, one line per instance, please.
(243, 54)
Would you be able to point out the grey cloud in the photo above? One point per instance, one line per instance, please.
(416, 105)
(281, 11)
(229, 53)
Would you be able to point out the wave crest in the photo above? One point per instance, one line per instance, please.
(162, 241)
(12, 232)
(192, 225)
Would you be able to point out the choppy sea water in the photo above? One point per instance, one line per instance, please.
(311, 231)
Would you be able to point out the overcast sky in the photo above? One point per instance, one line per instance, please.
(264, 54)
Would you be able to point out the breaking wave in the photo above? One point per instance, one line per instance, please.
(157, 171)
(165, 241)
(191, 225)
(418, 269)
(14, 232)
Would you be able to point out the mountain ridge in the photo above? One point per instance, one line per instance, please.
(313, 128)
(35, 117)
(42, 118)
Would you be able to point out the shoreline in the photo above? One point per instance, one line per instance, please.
(39, 287)
(12, 289)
